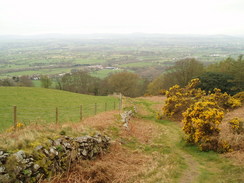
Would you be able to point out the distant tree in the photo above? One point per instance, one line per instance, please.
(7, 82)
(127, 83)
(238, 73)
(155, 86)
(232, 67)
(211, 80)
(180, 73)
(59, 84)
(46, 82)
(224, 66)
(81, 82)
(25, 81)
(186, 69)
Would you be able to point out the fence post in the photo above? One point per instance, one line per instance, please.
(56, 115)
(95, 109)
(15, 116)
(120, 102)
(81, 115)
(114, 105)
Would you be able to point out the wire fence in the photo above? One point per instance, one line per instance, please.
(12, 115)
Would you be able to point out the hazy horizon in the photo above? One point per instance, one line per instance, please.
(28, 17)
(119, 34)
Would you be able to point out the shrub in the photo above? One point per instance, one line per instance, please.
(224, 100)
(179, 99)
(162, 92)
(201, 126)
(201, 121)
(202, 114)
(240, 96)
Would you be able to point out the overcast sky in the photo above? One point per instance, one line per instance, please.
(122, 16)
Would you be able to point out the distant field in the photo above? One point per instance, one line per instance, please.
(36, 83)
(39, 72)
(38, 105)
(54, 56)
(138, 64)
(89, 61)
(103, 73)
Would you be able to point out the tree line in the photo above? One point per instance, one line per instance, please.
(127, 83)
(227, 75)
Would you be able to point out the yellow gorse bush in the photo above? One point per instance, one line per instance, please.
(179, 99)
(223, 99)
(201, 114)
(239, 96)
(201, 122)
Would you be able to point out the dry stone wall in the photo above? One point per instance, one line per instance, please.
(46, 161)
(126, 116)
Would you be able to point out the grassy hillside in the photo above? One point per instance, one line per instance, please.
(38, 105)
(150, 150)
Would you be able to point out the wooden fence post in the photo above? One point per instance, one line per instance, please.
(120, 102)
(105, 106)
(81, 113)
(15, 116)
(95, 109)
(56, 115)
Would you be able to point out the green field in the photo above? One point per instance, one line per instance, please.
(138, 64)
(104, 73)
(38, 105)
(36, 83)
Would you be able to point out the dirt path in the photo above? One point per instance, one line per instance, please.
(192, 170)
(191, 173)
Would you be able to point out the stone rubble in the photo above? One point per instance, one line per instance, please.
(46, 161)
(126, 116)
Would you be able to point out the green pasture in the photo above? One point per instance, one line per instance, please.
(104, 73)
(36, 72)
(38, 105)
(138, 64)
(89, 61)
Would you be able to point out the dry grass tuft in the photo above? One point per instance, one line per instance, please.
(234, 139)
(117, 166)
(142, 110)
(101, 121)
(23, 138)
(154, 98)
(236, 156)
(239, 113)
(140, 129)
